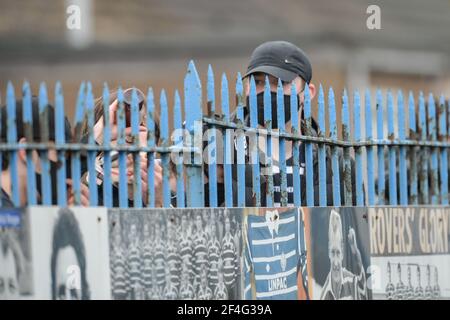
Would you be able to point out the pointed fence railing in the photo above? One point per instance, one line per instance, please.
(406, 166)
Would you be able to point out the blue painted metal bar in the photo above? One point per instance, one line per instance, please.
(392, 154)
(178, 127)
(212, 143)
(240, 143)
(268, 159)
(123, 183)
(380, 151)
(227, 145)
(369, 151)
(413, 156)
(60, 140)
(193, 113)
(443, 152)
(107, 183)
(432, 127)
(12, 139)
(403, 183)
(254, 157)
(76, 164)
(137, 182)
(423, 174)
(46, 195)
(282, 144)
(296, 147)
(447, 108)
(1, 153)
(434, 151)
(347, 164)
(164, 138)
(334, 155)
(151, 144)
(358, 151)
(308, 150)
(93, 192)
(448, 121)
(28, 127)
(322, 151)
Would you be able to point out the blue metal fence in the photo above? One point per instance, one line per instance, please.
(417, 156)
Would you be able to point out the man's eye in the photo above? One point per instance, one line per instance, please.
(273, 81)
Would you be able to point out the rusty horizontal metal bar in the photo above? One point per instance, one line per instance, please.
(331, 142)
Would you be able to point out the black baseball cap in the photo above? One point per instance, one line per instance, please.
(280, 59)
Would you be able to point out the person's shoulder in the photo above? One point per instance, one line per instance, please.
(6, 200)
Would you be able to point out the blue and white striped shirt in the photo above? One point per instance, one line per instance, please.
(273, 256)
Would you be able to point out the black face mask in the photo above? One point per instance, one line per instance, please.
(53, 180)
(273, 99)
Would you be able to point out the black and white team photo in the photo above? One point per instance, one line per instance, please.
(175, 254)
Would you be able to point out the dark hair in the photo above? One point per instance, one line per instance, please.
(36, 130)
(66, 232)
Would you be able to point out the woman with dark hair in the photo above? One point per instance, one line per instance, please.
(68, 260)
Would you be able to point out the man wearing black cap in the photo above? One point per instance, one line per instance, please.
(279, 60)
(285, 61)
(6, 178)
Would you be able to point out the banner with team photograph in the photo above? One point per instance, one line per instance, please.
(274, 254)
(70, 253)
(338, 253)
(175, 253)
(410, 252)
(16, 279)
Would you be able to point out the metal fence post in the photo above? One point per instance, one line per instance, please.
(193, 114)
(334, 155)
(322, 150)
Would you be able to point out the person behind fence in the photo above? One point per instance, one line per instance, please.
(6, 178)
(98, 132)
(285, 61)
